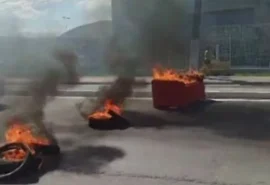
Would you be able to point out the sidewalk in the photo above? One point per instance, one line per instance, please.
(83, 80)
(212, 91)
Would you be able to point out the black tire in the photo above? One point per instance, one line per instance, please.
(10, 170)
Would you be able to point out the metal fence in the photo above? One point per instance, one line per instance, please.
(242, 45)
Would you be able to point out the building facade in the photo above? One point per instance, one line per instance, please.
(237, 29)
(236, 11)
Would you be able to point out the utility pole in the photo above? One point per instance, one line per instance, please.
(66, 18)
(195, 38)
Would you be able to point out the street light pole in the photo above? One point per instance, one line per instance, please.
(195, 38)
(66, 18)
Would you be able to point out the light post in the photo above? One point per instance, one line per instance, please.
(66, 18)
(195, 37)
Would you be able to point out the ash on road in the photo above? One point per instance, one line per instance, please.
(220, 143)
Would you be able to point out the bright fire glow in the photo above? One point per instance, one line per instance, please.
(20, 132)
(165, 74)
(104, 113)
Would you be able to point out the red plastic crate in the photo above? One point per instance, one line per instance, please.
(168, 94)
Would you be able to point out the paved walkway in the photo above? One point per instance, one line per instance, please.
(209, 80)
(212, 90)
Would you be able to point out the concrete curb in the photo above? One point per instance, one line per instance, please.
(145, 94)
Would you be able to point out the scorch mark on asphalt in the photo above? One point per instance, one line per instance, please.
(167, 178)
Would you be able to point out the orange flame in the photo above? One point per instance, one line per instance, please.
(104, 114)
(20, 132)
(195, 74)
(165, 74)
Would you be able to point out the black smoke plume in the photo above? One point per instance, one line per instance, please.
(42, 90)
(140, 40)
(69, 61)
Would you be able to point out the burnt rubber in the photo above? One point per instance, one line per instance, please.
(47, 150)
(116, 122)
(14, 169)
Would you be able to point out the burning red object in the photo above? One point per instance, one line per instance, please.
(109, 118)
(173, 89)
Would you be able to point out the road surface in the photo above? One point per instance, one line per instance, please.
(221, 143)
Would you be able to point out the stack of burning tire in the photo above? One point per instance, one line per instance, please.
(175, 89)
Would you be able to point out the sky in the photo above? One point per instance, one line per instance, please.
(44, 17)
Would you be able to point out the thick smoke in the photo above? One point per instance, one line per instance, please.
(139, 41)
(30, 109)
(69, 61)
(40, 91)
(46, 88)
(160, 33)
(124, 66)
(163, 33)
(118, 91)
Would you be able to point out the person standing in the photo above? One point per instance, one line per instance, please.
(208, 56)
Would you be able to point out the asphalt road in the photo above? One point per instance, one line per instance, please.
(221, 143)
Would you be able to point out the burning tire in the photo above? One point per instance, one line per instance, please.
(108, 119)
(10, 169)
(51, 149)
(115, 122)
(25, 151)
